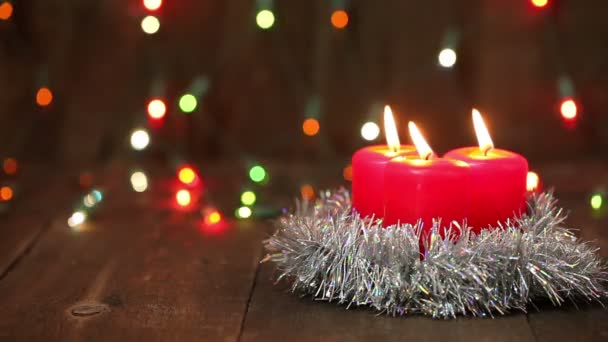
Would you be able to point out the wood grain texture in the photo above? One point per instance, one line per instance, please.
(134, 271)
(275, 314)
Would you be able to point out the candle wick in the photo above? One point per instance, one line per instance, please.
(486, 151)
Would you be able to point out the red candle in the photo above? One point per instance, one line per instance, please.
(425, 187)
(368, 170)
(498, 190)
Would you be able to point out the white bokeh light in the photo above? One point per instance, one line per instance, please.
(77, 219)
(447, 58)
(140, 139)
(139, 181)
(150, 24)
(370, 131)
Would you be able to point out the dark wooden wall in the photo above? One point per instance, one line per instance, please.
(101, 68)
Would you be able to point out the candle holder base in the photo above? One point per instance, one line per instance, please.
(325, 250)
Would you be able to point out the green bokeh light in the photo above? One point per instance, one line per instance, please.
(257, 173)
(243, 212)
(265, 19)
(596, 201)
(187, 103)
(248, 198)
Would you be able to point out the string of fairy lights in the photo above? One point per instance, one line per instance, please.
(191, 190)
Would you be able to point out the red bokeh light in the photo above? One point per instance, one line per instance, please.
(152, 5)
(157, 109)
(539, 3)
(568, 109)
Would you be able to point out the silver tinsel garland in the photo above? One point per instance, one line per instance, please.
(327, 251)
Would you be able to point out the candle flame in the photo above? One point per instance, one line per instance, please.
(483, 136)
(532, 181)
(423, 148)
(390, 130)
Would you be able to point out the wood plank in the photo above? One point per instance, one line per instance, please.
(588, 321)
(275, 315)
(136, 270)
(39, 191)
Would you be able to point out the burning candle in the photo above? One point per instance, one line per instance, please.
(498, 190)
(425, 187)
(368, 169)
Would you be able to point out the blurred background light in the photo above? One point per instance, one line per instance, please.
(6, 10)
(265, 19)
(157, 109)
(187, 103)
(6, 193)
(596, 201)
(44, 96)
(257, 173)
(140, 139)
(150, 24)
(152, 5)
(539, 3)
(370, 131)
(183, 198)
(187, 175)
(532, 181)
(311, 127)
(9, 165)
(307, 191)
(248, 198)
(77, 219)
(339, 19)
(243, 212)
(568, 109)
(139, 181)
(447, 58)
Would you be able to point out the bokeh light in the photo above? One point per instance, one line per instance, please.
(257, 173)
(10, 166)
(307, 191)
(6, 10)
(243, 212)
(139, 181)
(140, 139)
(347, 172)
(44, 96)
(311, 127)
(532, 181)
(339, 19)
(187, 175)
(265, 19)
(152, 5)
(596, 201)
(77, 219)
(183, 198)
(6, 193)
(157, 109)
(150, 24)
(187, 103)
(370, 131)
(213, 217)
(447, 58)
(93, 198)
(540, 3)
(248, 197)
(568, 109)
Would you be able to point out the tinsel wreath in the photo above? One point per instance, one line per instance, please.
(327, 251)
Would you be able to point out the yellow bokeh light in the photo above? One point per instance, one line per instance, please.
(243, 212)
(186, 175)
(568, 109)
(265, 19)
(596, 201)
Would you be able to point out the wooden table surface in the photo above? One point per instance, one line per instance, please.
(139, 269)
